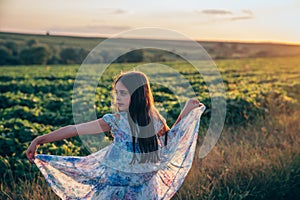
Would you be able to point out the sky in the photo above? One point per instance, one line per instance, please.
(221, 20)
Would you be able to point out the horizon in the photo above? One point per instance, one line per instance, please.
(85, 36)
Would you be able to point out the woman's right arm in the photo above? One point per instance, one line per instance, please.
(60, 134)
(93, 127)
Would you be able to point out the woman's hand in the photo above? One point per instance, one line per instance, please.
(190, 105)
(31, 151)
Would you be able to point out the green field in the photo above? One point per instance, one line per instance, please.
(257, 156)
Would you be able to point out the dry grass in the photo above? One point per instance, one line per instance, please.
(33, 189)
(259, 161)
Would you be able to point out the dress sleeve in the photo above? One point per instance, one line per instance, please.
(158, 124)
(111, 120)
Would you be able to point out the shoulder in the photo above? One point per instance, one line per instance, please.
(115, 116)
(111, 119)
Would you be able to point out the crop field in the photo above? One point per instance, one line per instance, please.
(256, 157)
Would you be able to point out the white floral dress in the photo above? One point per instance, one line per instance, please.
(108, 174)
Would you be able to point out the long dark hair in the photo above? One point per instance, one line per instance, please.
(141, 114)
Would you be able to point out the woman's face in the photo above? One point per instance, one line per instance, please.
(122, 96)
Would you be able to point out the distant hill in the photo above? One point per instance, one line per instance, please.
(244, 50)
(16, 48)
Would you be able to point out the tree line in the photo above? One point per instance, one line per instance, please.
(31, 52)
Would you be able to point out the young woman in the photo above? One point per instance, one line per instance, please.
(147, 159)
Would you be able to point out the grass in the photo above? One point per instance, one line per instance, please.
(259, 161)
(35, 188)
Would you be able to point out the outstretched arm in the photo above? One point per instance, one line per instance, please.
(93, 127)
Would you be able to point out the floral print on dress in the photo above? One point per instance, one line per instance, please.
(108, 174)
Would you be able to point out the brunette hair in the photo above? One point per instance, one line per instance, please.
(141, 114)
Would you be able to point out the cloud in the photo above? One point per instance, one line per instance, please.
(246, 14)
(216, 12)
(113, 11)
(241, 18)
(228, 15)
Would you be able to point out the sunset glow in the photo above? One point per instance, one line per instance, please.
(251, 21)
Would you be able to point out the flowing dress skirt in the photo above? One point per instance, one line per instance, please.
(106, 174)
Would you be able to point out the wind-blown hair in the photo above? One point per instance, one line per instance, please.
(141, 114)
